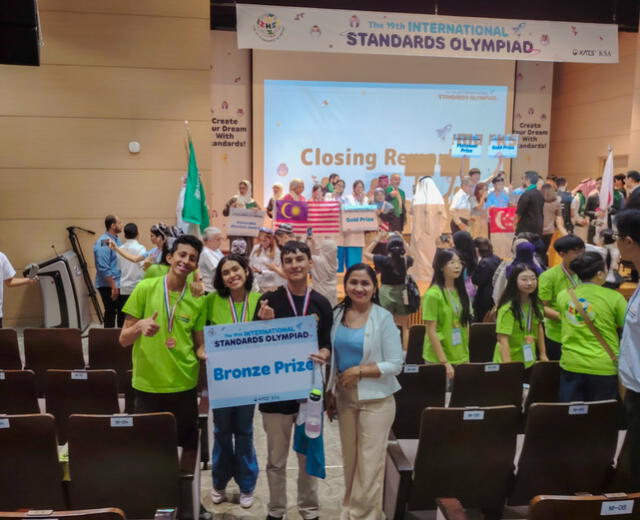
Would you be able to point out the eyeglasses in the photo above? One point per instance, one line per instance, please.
(617, 236)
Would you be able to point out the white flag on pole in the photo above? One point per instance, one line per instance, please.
(606, 189)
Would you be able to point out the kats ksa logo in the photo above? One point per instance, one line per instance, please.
(268, 27)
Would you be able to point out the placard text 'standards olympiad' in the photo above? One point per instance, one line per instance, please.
(260, 361)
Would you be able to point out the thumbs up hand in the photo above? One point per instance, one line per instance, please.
(149, 326)
(265, 312)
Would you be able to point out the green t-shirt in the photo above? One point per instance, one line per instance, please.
(397, 207)
(219, 313)
(581, 351)
(156, 367)
(551, 283)
(436, 307)
(507, 324)
(155, 270)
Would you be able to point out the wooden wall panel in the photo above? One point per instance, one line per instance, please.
(104, 92)
(68, 143)
(124, 41)
(112, 72)
(172, 8)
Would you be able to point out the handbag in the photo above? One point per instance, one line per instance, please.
(596, 333)
(411, 292)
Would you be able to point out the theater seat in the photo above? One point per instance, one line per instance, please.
(462, 453)
(105, 352)
(544, 382)
(18, 393)
(131, 462)
(487, 384)
(415, 345)
(568, 448)
(422, 386)
(482, 342)
(31, 476)
(52, 348)
(619, 506)
(80, 391)
(9, 350)
(109, 513)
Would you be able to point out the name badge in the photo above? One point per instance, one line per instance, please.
(527, 350)
(456, 337)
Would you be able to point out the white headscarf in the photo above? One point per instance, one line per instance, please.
(244, 199)
(427, 193)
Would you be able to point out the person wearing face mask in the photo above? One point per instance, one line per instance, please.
(393, 271)
(519, 323)
(234, 455)
(367, 359)
(447, 313)
(588, 372)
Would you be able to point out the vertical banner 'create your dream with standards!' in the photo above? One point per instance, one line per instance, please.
(260, 361)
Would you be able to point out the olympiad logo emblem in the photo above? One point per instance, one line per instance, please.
(268, 27)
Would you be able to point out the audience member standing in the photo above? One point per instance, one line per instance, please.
(447, 313)
(108, 272)
(9, 279)
(632, 182)
(479, 214)
(552, 282)
(294, 299)
(131, 272)
(324, 268)
(591, 210)
(628, 241)
(460, 208)
(588, 372)
(368, 356)
(552, 217)
(234, 455)
(529, 212)
(498, 197)
(565, 203)
(211, 255)
(165, 325)
(519, 322)
(578, 206)
(482, 278)
(393, 273)
(265, 262)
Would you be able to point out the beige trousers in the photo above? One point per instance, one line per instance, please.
(279, 428)
(364, 431)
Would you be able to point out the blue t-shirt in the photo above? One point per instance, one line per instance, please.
(348, 346)
(497, 200)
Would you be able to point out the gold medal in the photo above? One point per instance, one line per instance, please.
(170, 343)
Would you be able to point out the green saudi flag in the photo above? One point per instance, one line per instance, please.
(195, 208)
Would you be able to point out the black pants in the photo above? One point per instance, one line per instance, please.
(183, 405)
(112, 308)
(586, 387)
(632, 406)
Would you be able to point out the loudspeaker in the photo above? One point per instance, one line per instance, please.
(19, 32)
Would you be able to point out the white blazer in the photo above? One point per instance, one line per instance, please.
(381, 346)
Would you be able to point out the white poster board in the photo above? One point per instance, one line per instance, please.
(244, 222)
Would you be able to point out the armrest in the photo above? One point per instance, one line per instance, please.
(190, 461)
(450, 509)
(397, 482)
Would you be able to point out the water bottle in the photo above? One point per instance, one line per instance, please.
(313, 422)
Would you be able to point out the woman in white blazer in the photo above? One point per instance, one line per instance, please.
(367, 358)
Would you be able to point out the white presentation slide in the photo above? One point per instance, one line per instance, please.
(363, 130)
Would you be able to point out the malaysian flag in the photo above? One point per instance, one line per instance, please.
(322, 216)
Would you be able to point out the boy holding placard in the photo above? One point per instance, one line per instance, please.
(294, 299)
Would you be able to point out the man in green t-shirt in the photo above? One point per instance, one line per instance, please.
(551, 283)
(165, 324)
(397, 198)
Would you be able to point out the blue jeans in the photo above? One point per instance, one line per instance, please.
(233, 453)
(586, 387)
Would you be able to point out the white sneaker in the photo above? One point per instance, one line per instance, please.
(218, 496)
(246, 500)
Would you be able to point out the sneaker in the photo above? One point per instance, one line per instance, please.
(218, 496)
(246, 500)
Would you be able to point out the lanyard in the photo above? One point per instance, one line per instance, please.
(171, 311)
(452, 303)
(569, 277)
(529, 320)
(305, 306)
(243, 313)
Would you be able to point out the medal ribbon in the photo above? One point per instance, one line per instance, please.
(243, 314)
(453, 304)
(305, 306)
(530, 320)
(569, 277)
(171, 312)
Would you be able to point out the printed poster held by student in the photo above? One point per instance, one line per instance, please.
(244, 222)
(359, 218)
(260, 361)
